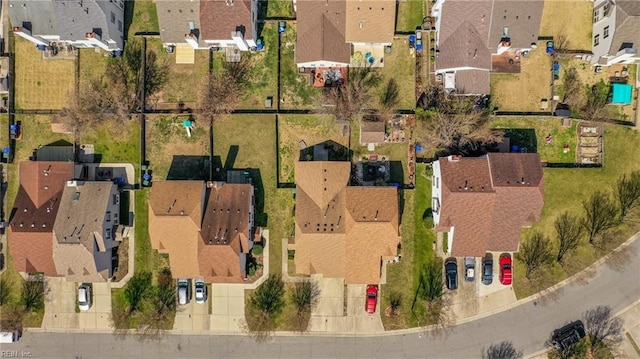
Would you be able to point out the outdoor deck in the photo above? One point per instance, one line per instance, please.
(508, 63)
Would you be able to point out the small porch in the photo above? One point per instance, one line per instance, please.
(508, 62)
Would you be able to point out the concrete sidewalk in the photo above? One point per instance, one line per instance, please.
(631, 336)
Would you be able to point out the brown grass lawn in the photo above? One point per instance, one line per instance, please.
(166, 137)
(255, 137)
(565, 189)
(399, 65)
(572, 18)
(184, 81)
(523, 91)
(92, 63)
(312, 129)
(40, 83)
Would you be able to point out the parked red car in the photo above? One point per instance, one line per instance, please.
(372, 299)
(505, 268)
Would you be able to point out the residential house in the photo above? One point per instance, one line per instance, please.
(81, 23)
(342, 231)
(30, 233)
(206, 229)
(470, 34)
(483, 203)
(205, 24)
(330, 32)
(616, 25)
(85, 233)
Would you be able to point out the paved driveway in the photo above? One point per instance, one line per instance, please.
(338, 312)
(227, 307)
(99, 315)
(60, 304)
(192, 316)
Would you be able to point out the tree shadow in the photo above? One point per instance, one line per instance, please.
(523, 138)
(253, 176)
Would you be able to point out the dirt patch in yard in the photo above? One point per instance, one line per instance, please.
(569, 18)
(523, 91)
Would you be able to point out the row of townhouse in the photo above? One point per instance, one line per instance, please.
(64, 225)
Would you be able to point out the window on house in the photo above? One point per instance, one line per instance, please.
(108, 216)
(108, 233)
(606, 8)
(596, 40)
(437, 182)
(119, 25)
(113, 17)
(435, 204)
(606, 32)
(596, 15)
(116, 199)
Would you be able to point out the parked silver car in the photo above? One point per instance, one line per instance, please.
(469, 269)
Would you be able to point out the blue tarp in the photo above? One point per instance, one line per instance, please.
(621, 94)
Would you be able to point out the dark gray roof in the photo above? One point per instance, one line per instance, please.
(472, 82)
(69, 19)
(627, 26)
(174, 17)
(522, 18)
(464, 48)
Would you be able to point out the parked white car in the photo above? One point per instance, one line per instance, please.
(201, 291)
(84, 297)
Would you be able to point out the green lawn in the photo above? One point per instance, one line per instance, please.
(410, 14)
(278, 8)
(295, 88)
(399, 65)
(141, 16)
(565, 189)
(312, 129)
(255, 137)
(92, 63)
(264, 77)
(532, 132)
(184, 81)
(416, 250)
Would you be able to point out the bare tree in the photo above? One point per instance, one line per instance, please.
(350, 98)
(305, 295)
(595, 108)
(502, 350)
(137, 290)
(569, 230)
(602, 328)
(573, 88)
(627, 192)
(33, 294)
(390, 97)
(600, 214)
(222, 91)
(457, 132)
(265, 304)
(534, 252)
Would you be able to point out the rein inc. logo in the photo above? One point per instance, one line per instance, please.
(15, 354)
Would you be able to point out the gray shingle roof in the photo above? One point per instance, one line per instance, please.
(174, 17)
(627, 26)
(464, 48)
(522, 18)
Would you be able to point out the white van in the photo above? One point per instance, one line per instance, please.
(9, 336)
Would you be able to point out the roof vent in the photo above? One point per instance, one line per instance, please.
(182, 213)
(33, 225)
(25, 210)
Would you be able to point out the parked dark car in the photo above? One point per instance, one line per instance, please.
(451, 273)
(487, 269)
(568, 335)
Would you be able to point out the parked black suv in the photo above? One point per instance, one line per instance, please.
(487, 269)
(568, 335)
(451, 273)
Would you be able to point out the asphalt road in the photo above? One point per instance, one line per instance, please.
(615, 283)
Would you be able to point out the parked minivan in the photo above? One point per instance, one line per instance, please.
(184, 291)
(11, 336)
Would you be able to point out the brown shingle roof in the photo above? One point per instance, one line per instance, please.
(489, 214)
(174, 17)
(321, 31)
(175, 212)
(456, 12)
(372, 131)
(474, 82)
(522, 18)
(464, 48)
(210, 242)
(225, 233)
(343, 232)
(218, 19)
(370, 21)
(30, 232)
